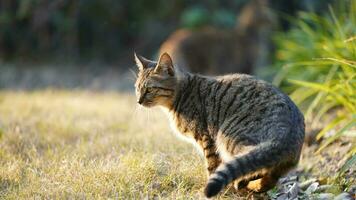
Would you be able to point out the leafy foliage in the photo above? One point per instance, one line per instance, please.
(318, 59)
(101, 29)
(108, 29)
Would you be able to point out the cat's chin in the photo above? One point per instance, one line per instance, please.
(148, 105)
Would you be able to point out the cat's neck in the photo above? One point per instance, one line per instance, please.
(185, 82)
(186, 85)
(183, 79)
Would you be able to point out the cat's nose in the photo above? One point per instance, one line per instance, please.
(140, 100)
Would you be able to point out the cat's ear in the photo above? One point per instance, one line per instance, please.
(165, 65)
(142, 63)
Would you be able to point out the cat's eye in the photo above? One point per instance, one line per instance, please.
(149, 90)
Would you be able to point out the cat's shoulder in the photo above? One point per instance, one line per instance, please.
(239, 78)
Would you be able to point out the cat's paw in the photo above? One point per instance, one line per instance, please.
(255, 185)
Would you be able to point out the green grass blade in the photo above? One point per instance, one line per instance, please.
(316, 86)
(301, 94)
(350, 163)
(338, 134)
(350, 63)
(324, 108)
(330, 126)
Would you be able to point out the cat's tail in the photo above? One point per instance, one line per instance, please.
(263, 156)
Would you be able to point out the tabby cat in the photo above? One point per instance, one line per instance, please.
(249, 132)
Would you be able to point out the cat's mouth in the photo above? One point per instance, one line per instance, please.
(147, 104)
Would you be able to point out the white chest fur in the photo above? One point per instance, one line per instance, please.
(186, 137)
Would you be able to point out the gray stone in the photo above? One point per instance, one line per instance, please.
(307, 183)
(344, 196)
(323, 188)
(325, 196)
(312, 188)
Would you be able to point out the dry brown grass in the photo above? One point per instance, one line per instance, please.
(88, 145)
(77, 144)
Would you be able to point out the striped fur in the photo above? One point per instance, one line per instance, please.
(246, 128)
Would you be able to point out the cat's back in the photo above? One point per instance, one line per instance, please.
(251, 111)
(258, 99)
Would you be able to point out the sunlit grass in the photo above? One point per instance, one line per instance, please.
(86, 145)
(57, 144)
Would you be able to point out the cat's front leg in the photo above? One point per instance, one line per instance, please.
(210, 152)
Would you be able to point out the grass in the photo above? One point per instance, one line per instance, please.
(317, 66)
(60, 144)
(89, 145)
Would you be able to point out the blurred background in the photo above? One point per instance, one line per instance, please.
(90, 43)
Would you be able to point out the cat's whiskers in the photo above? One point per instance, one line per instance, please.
(138, 114)
(135, 117)
(147, 116)
(134, 75)
(135, 112)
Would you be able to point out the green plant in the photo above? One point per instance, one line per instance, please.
(318, 59)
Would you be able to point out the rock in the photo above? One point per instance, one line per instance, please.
(323, 188)
(307, 183)
(344, 196)
(288, 179)
(312, 188)
(282, 197)
(325, 196)
(293, 191)
(288, 192)
(353, 190)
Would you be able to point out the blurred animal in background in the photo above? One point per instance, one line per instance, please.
(211, 51)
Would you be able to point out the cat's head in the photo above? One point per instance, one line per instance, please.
(156, 81)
